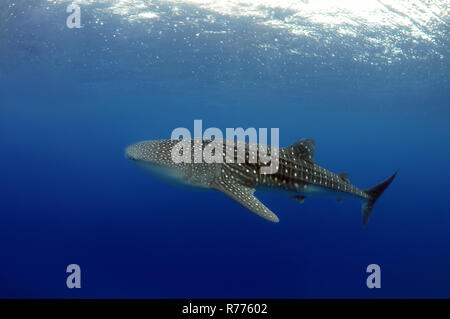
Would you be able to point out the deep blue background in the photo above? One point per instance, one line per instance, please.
(70, 102)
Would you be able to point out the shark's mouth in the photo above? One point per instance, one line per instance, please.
(132, 153)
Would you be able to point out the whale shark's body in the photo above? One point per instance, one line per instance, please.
(298, 176)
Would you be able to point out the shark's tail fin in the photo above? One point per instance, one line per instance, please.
(374, 193)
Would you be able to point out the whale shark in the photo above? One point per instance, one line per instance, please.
(297, 175)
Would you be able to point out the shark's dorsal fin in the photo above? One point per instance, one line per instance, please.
(299, 198)
(344, 177)
(303, 149)
(244, 196)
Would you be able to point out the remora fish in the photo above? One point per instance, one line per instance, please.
(298, 176)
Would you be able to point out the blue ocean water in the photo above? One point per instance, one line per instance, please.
(373, 94)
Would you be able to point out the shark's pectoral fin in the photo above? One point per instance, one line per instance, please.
(244, 196)
(299, 198)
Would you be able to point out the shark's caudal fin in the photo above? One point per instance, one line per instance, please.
(374, 193)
